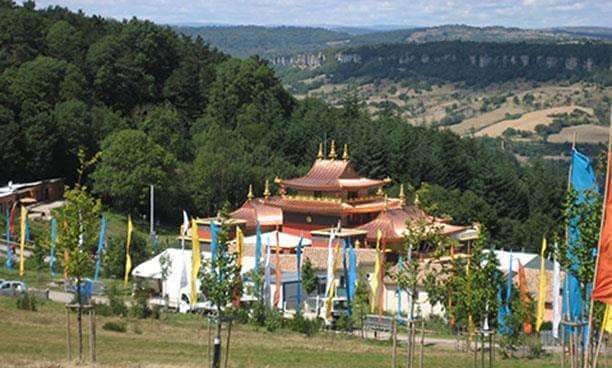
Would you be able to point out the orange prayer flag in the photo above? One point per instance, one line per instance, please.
(602, 289)
(524, 294)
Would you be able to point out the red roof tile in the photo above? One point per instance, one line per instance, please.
(254, 210)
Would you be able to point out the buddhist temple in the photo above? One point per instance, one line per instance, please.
(332, 195)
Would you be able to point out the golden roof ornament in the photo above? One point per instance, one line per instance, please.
(250, 195)
(402, 196)
(320, 155)
(417, 201)
(266, 192)
(345, 155)
(380, 192)
(386, 203)
(332, 150)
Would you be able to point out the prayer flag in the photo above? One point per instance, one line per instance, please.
(541, 289)
(524, 295)
(556, 318)
(606, 322)
(128, 258)
(214, 245)
(298, 260)
(277, 274)
(7, 224)
(602, 290)
(53, 241)
(239, 247)
(267, 276)
(375, 283)
(196, 261)
(101, 243)
(257, 246)
(24, 216)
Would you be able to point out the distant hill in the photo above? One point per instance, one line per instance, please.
(474, 63)
(244, 41)
(284, 41)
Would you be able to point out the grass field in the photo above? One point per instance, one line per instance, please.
(37, 339)
(587, 133)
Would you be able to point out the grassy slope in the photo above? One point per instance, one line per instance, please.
(38, 339)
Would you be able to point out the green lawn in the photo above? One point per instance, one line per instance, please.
(37, 339)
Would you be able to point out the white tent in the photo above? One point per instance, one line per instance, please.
(503, 258)
(285, 240)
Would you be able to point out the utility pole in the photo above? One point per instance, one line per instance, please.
(152, 215)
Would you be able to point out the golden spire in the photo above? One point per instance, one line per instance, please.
(380, 192)
(266, 192)
(320, 154)
(332, 150)
(345, 155)
(250, 195)
(417, 201)
(402, 196)
(386, 203)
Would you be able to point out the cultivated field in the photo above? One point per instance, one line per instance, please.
(588, 133)
(479, 122)
(37, 339)
(528, 121)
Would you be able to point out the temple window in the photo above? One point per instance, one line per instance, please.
(352, 195)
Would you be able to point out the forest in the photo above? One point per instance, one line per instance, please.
(169, 110)
(474, 63)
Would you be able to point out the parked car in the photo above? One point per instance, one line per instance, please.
(13, 288)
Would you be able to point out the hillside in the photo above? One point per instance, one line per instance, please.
(244, 41)
(287, 41)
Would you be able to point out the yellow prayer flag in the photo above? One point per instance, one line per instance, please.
(196, 261)
(542, 289)
(239, 247)
(606, 322)
(128, 258)
(24, 216)
(329, 303)
(375, 281)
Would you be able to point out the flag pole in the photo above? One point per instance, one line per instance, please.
(603, 215)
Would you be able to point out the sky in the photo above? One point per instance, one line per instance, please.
(510, 13)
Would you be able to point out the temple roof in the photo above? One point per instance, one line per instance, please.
(334, 206)
(256, 210)
(393, 224)
(331, 175)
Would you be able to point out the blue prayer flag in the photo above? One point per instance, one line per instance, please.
(101, 242)
(53, 241)
(213, 244)
(582, 179)
(257, 246)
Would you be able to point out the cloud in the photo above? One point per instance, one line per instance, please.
(521, 13)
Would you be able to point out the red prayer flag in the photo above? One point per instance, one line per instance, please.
(602, 290)
(12, 218)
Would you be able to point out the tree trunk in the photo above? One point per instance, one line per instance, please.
(79, 318)
(216, 363)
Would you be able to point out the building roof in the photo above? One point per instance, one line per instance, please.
(256, 210)
(331, 175)
(393, 223)
(11, 187)
(324, 205)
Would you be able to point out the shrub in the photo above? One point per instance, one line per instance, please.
(137, 329)
(116, 326)
(344, 323)
(258, 314)
(27, 302)
(115, 301)
(303, 325)
(274, 320)
(103, 309)
(140, 308)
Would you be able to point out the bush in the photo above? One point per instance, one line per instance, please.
(115, 301)
(303, 325)
(27, 302)
(344, 323)
(116, 326)
(274, 320)
(258, 314)
(103, 309)
(140, 308)
(137, 329)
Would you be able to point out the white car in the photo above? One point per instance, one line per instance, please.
(12, 288)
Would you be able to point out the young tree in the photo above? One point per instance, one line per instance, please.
(78, 234)
(361, 301)
(309, 277)
(219, 279)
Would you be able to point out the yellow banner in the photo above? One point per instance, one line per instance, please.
(24, 216)
(128, 258)
(196, 261)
